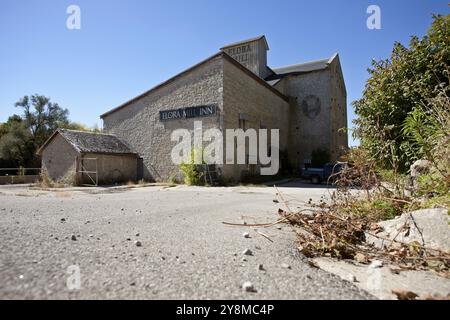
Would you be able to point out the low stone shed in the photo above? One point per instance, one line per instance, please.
(87, 158)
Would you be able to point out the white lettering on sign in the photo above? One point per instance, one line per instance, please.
(191, 112)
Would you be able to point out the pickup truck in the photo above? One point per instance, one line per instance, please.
(318, 175)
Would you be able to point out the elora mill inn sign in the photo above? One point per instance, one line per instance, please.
(189, 112)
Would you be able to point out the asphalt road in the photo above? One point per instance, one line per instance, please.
(186, 253)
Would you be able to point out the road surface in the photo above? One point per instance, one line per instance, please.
(186, 251)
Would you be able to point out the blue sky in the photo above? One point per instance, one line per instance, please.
(127, 47)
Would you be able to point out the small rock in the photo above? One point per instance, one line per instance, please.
(246, 235)
(247, 252)
(248, 287)
(278, 227)
(137, 234)
(405, 295)
(376, 264)
(285, 266)
(74, 237)
(350, 277)
(128, 239)
(138, 243)
(91, 236)
(275, 201)
(261, 267)
(63, 219)
(361, 258)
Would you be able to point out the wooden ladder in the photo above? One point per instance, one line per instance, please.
(210, 174)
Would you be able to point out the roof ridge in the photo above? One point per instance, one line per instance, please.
(303, 63)
(161, 84)
(246, 40)
(89, 132)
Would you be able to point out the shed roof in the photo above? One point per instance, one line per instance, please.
(91, 142)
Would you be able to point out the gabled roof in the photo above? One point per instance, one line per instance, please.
(90, 142)
(248, 40)
(162, 84)
(221, 54)
(305, 67)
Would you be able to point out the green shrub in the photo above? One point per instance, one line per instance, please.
(397, 114)
(374, 210)
(192, 173)
(432, 183)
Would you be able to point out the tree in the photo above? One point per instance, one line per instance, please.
(42, 117)
(16, 146)
(397, 88)
(4, 127)
(81, 127)
(21, 136)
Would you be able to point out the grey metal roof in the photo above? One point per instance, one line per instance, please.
(300, 68)
(245, 41)
(303, 67)
(90, 142)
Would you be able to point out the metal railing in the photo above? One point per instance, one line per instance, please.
(19, 171)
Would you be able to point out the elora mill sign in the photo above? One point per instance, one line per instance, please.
(186, 113)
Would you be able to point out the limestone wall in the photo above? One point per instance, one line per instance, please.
(59, 159)
(138, 124)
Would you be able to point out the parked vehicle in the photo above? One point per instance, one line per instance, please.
(319, 175)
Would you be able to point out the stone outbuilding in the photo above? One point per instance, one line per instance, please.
(87, 158)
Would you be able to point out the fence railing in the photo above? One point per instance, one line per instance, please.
(20, 171)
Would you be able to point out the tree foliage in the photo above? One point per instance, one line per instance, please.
(42, 116)
(21, 136)
(394, 113)
(16, 145)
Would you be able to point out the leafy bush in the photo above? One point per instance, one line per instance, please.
(374, 210)
(395, 114)
(432, 184)
(192, 172)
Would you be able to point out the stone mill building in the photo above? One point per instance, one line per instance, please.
(306, 102)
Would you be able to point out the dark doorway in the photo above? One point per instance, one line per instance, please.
(140, 169)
